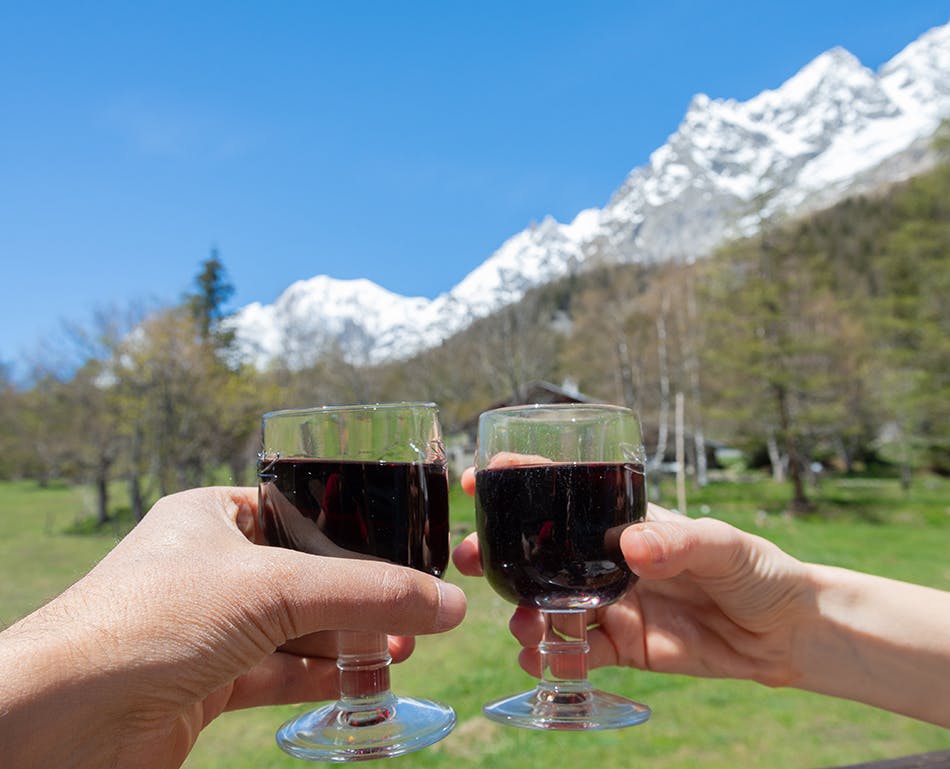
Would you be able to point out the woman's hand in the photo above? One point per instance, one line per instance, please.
(711, 600)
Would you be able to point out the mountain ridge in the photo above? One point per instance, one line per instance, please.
(834, 128)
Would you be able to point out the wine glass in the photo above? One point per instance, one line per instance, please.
(554, 487)
(370, 482)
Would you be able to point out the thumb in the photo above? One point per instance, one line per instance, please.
(705, 547)
(316, 593)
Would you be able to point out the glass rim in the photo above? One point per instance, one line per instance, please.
(534, 408)
(350, 407)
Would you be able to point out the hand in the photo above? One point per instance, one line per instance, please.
(711, 600)
(187, 617)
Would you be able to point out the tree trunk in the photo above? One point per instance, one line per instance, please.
(847, 463)
(238, 467)
(663, 419)
(625, 372)
(136, 501)
(796, 473)
(775, 458)
(695, 386)
(906, 473)
(102, 494)
(680, 456)
(796, 465)
(702, 466)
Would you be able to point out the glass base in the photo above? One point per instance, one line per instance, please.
(392, 727)
(566, 707)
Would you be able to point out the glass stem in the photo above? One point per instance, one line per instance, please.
(363, 660)
(563, 651)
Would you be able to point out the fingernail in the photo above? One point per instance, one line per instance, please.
(650, 548)
(452, 605)
(653, 544)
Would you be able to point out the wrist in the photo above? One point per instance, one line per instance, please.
(52, 693)
(821, 647)
(876, 641)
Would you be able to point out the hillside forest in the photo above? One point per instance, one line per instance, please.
(822, 342)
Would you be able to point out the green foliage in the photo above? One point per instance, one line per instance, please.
(826, 338)
(914, 317)
(207, 304)
(831, 333)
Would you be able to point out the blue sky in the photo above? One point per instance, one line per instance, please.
(398, 141)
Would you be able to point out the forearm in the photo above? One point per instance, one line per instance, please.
(878, 641)
(50, 714)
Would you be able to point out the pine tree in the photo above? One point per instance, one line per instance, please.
(207, 304)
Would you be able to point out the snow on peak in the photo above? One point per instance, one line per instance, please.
(916, 77)
(728, 167)
(835, 67)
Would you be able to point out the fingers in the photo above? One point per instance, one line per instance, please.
(527, 625)
(245, 513)
(283, 679)
(468, 481)
(301, 594)
(467, 558)
(310, 593)
(659, 549)
(501, 459)
(323, 644)
(512, 459)
(528, 628)
(529, 659)
(400, 647)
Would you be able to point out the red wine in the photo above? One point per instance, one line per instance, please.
(549, 534)
(397, 512)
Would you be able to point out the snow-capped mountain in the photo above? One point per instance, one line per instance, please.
(833, 128)
(316, 315)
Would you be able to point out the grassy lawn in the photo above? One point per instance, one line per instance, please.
(864, 523)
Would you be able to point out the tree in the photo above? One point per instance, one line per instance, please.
(207, 304)
(911, 323)
(187, 415)
(93, 393)
(11, 436)
(780, 347)
(94, 429)
(691, 342)
(515, 347)
(45, 451)
(609, 339)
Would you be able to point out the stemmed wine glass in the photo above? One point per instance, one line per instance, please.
(554, 487)
(370, 482)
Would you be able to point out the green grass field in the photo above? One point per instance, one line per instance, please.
(864, 524)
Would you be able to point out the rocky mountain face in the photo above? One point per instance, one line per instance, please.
(834, 128)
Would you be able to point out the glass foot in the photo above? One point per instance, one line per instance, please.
(566, 708)
(337, 734)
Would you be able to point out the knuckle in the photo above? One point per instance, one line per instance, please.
(398, 588)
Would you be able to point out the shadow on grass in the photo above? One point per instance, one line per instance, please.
(119, 523)
(858, 498)
(829, 508)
